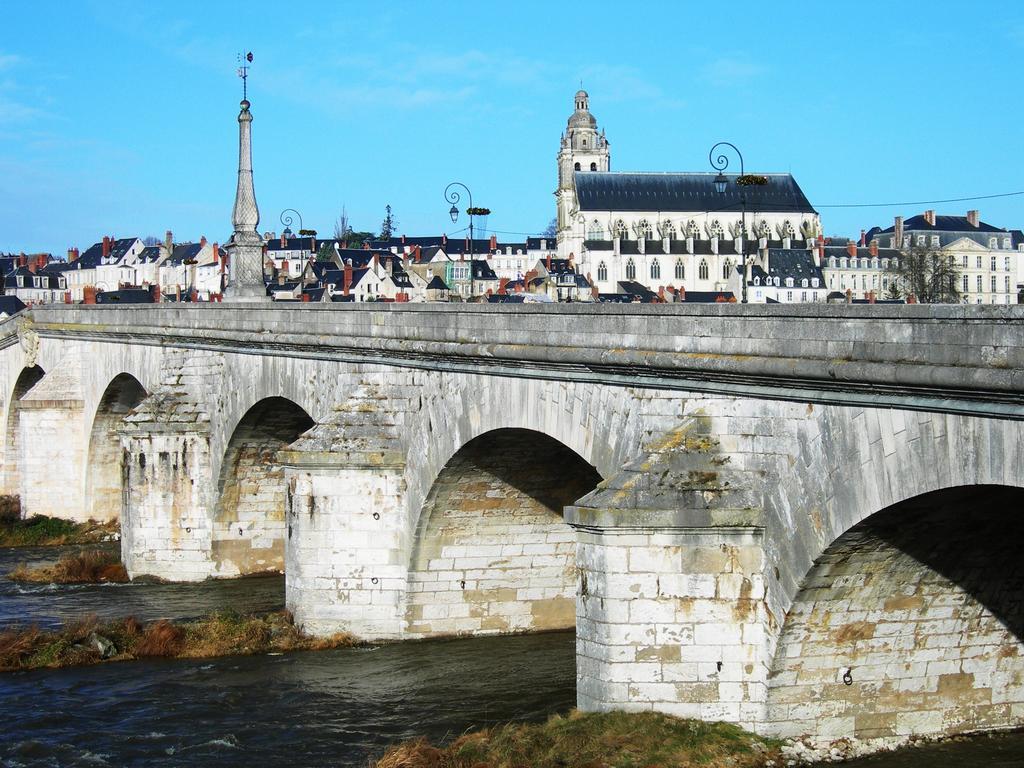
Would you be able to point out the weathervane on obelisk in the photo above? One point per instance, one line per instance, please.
(246, 246)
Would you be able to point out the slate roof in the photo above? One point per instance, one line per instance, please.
(633, 288)
(125, 296)
(840, 251)
(437, 284)
(685, 192)
(707, 297)
(797, 264)
(293, 244)
(150, 254)
(94, 255)
(183, 251)
(11, 305)
(942, 224)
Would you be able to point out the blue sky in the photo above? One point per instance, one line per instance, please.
(120, 117)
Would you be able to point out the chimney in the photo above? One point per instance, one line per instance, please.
(305, 297)
(929, 216)
(444, 239)
(874, 248)
(849, 296)
(67, 297)
(501, 286)
(548, 262)
(661, 294)
(863, 234)
(376, 262)
(155, 293)
(973, 218)
(419, 254)
(106, 246)
(216, 256)
(851, 248)
(22, 260)
(897, 230)
(89, 294)
(681, 294)
(572, 259)
(71, 255)
(871, 296)
(202, 241)
(312, 243)
(403, 239)
(284, 241)
(280, 277)
(347, 284)
(32, 266)
(494, 242)
(911, 299)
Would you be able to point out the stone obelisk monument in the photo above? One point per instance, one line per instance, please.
(246, 246)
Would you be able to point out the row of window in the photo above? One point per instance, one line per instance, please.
(593, 166)
(644, 230)
(993, 284)
(680, 271)
(933, 241)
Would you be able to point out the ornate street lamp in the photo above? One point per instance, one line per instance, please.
(453, 197)
(286, 221)
(720, 163)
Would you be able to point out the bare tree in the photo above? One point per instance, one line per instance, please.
(151, 240)
(551, 230)
(931, 276)
(342, 227)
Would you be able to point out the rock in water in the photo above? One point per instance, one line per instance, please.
(104, 646)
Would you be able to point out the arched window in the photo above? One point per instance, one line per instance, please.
(692, 230)
(577, 166)
(620, 229)
(715, 230)
(655, 270)
(602, 272)
(668, 229)
(593, 166)
(702, 270)
(630, 270)
(726, 269)
(643, 229)
(595, 231)
(680, 270)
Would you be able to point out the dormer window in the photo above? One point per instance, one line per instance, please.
(803, 283)
(21, 281)
(992, 242)
(757, 281)
(814, 282)
(920, 239)
(935, 241)
(789, 282)
(1006, 243)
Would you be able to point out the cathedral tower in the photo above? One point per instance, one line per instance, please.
(583, 149)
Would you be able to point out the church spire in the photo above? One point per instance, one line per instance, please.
(246, 246)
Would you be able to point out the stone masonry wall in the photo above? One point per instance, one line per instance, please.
(910, 624)
(249, 527)
(493, 553)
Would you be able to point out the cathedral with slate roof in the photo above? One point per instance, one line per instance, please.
(668, 230)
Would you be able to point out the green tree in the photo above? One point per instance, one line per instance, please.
(930, 275)
(387, 226)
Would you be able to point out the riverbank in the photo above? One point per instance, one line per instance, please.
(42, 531)
(90, 641)
(594, 740)
(89, 567)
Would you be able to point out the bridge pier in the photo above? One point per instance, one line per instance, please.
(346, 541)
(671, 611)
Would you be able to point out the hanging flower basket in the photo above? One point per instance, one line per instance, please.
(478, 211)
(751, 180)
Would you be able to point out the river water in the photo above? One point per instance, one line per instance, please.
(327, 708)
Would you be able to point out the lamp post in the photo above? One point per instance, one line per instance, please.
(720, 163)
(452, 196)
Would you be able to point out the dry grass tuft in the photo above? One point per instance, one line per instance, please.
(221, 634)
(90, 567)
(593, 740)
(161, 639)
(39, 530)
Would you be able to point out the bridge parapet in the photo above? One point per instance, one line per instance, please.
(968, 357)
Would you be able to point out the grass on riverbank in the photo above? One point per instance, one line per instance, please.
(90, 567)
(42, 531)
(594, 740)
(221, 634)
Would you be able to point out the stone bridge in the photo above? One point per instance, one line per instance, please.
(804, 519)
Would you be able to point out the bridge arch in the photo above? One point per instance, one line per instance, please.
(491, 552)
(249, 514)
(104, 463)
(909, 623)
(28, 378)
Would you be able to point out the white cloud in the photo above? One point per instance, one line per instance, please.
(729, 71)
